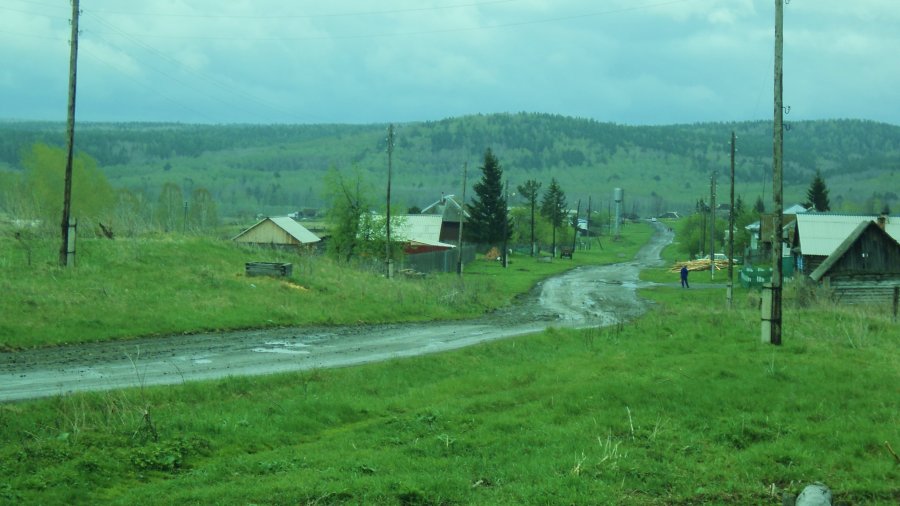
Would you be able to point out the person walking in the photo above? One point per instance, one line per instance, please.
(684, 275)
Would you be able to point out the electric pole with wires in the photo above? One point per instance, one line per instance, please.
(389, 261)
(67, 246)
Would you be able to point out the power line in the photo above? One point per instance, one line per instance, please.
(205, 77)
(311, 16)
(497, 26)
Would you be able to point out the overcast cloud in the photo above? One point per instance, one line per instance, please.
(356, 61)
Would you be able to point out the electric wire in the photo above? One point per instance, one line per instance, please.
(222, 86)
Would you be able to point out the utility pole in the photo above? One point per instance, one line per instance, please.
(575, 222)
(506, 227)
(712, 226)
(462, 218)
(587, 225)
(389, 261)
(730, 286)
(64, 248)
(771, 303)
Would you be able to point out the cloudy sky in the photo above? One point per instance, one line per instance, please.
(361, 61)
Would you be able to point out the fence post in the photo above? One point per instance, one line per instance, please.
(896, 301)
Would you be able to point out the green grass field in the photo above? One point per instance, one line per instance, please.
(175, 284)
(682, 406)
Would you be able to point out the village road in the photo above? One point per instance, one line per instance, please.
(583, 297)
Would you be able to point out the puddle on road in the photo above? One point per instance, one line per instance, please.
(283, 347)
(280, 350)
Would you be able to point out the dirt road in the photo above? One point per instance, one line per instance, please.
(587, 296)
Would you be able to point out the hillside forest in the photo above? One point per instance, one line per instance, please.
(182, 174)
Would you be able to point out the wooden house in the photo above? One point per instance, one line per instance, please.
(421, 233)
(817, 235)
(864, 268)
(278, 231)
(451, 213)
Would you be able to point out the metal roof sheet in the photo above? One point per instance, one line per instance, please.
(420, 228)
(294, 229)
(821, 234)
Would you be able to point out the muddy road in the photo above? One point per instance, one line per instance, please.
(586, 296)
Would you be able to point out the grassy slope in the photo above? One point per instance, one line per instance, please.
(682, 406)
(172, 285)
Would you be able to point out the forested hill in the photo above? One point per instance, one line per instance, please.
(279, 168)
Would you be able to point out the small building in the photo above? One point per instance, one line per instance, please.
(817, 235)
(865, 267)
(451, 213)
(278, 231)
(421, 233)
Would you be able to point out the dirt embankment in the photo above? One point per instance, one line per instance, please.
(586, 296)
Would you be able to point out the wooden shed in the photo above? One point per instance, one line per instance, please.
(278, 231)
(865, 267)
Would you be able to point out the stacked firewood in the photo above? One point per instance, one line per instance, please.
(699, 265)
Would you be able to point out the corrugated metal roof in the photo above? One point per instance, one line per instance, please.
(447, 207)
(821, 234)
(294, 229)
(419, 228)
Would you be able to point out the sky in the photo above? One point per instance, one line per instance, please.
(633, 62)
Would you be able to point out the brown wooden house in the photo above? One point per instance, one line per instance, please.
(865, 267)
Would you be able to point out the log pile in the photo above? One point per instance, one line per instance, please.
(699, 265)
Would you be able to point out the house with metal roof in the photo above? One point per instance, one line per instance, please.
(420, 232)
(818, 235)
(278, 231)
(864, 267)
(451, 212)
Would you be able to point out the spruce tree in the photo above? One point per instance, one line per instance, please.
(529, 192)
(817, 194)
(488, 214)
(553, 207)
(759, 207)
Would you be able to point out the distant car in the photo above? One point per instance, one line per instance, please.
(653, 220)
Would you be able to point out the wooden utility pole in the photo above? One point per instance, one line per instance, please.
(64, 248)
(730, 289)
(712, 226)
(771, 304)
(389, 261)
(462, 218)
(506, 227)
(587, 223)
(575, 222)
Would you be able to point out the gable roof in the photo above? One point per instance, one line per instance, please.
(294, 229)
(845, 245)
(822, 233)
(795, 209)
(421, 229)
(447, 207)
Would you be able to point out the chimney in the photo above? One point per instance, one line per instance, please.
(882, 221)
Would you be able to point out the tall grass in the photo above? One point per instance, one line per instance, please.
(166, 285)
(683, 406)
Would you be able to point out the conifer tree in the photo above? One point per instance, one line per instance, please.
(488, 214)
(817, 194)
(553, 207)
(529, 192)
